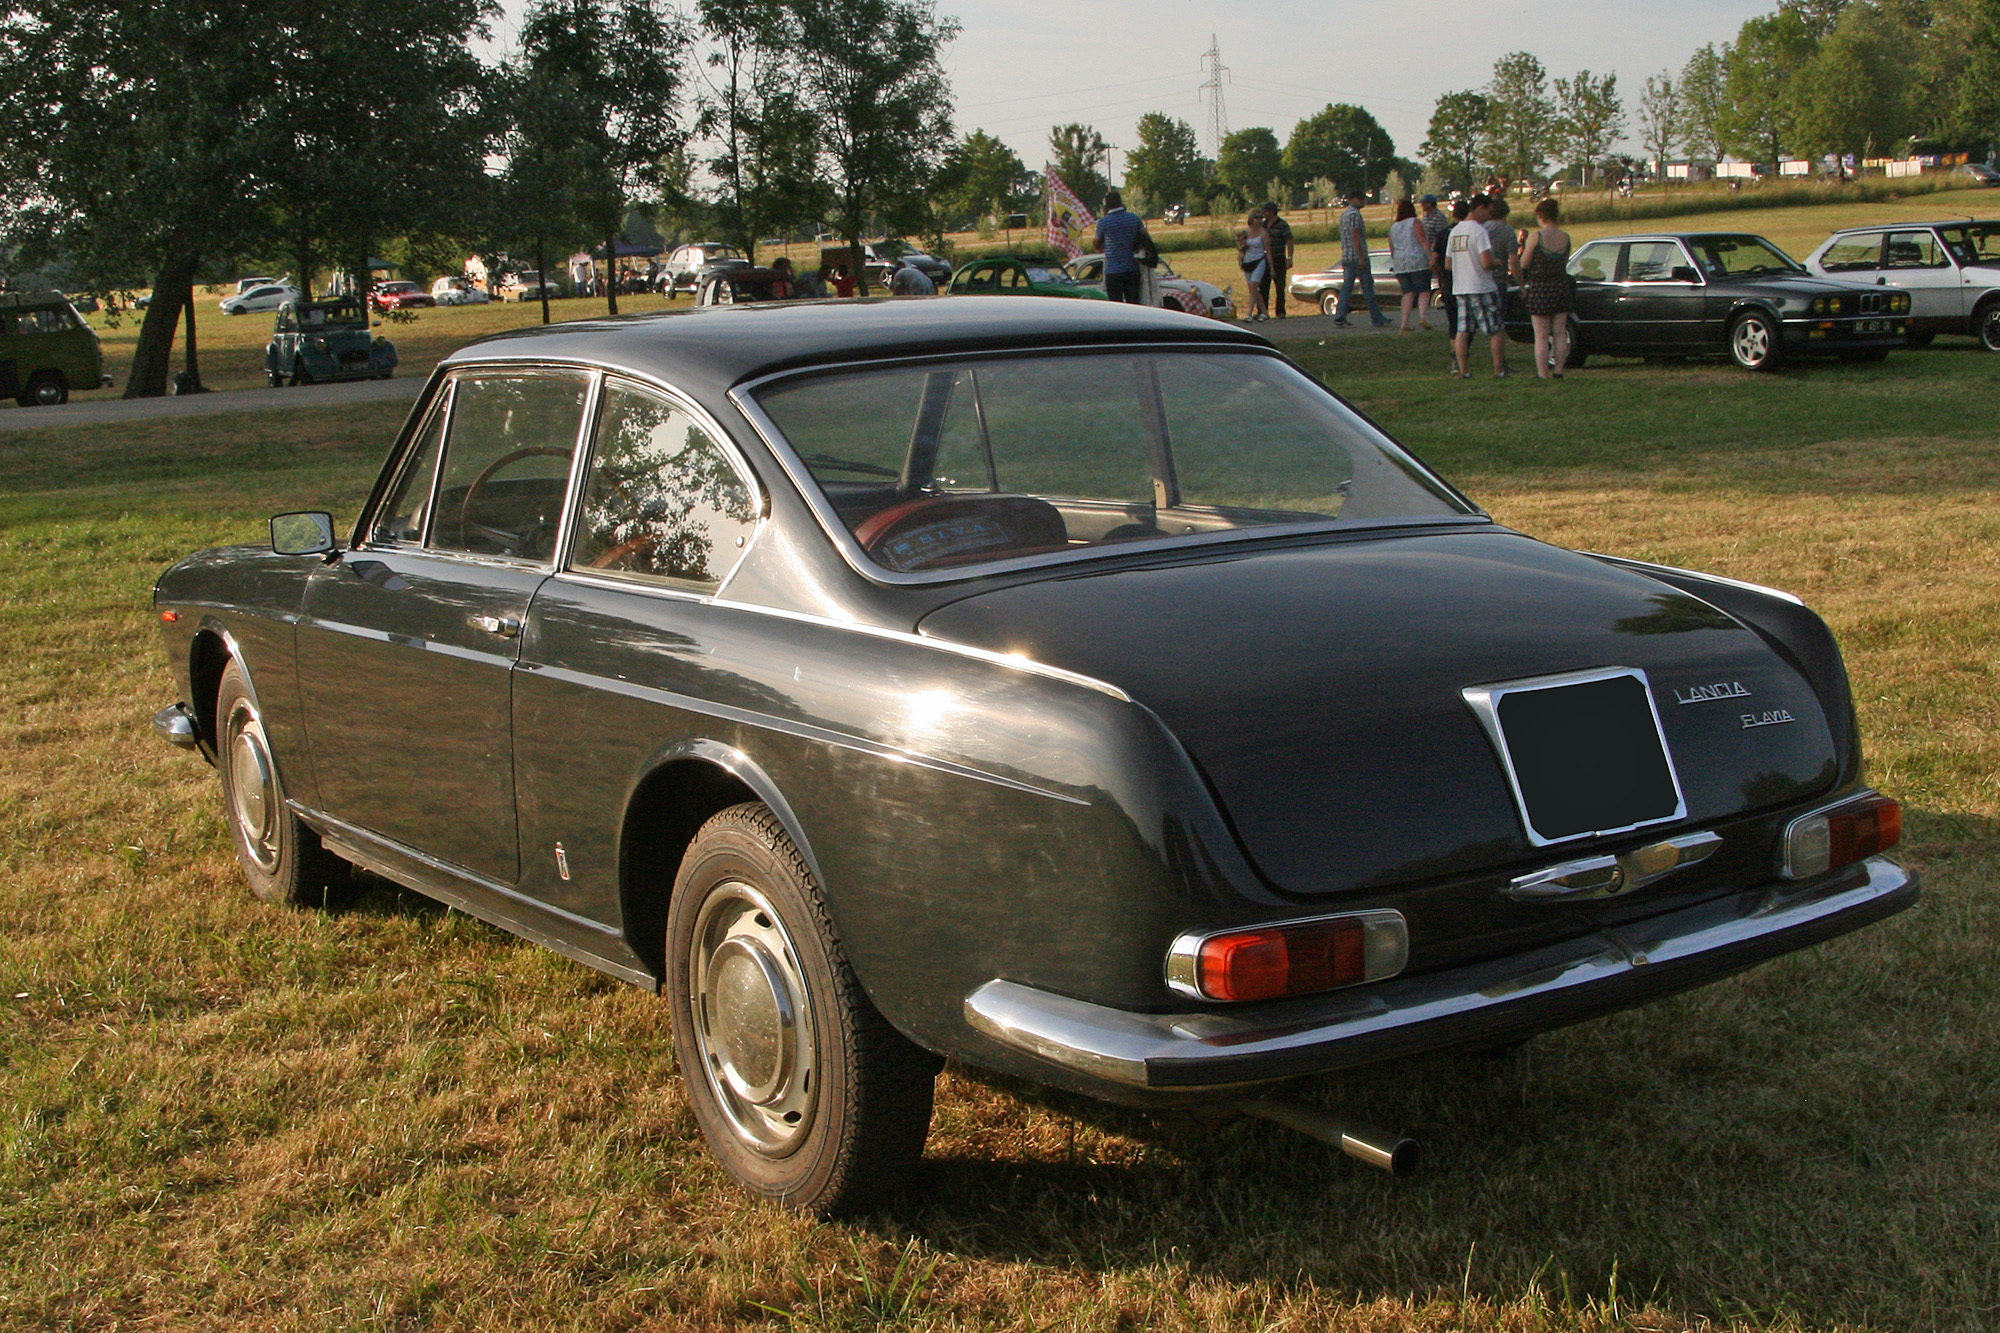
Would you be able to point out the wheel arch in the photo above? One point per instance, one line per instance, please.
(209, 655)
(687, 785)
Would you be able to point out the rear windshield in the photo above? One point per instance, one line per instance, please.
(944, 467)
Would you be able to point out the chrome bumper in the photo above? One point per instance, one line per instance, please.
(174, 725)
(1499, 1000)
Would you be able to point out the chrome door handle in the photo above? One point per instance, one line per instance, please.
(505, 626)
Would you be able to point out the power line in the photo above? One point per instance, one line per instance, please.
(1218, 116)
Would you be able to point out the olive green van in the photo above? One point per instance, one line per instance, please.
(46, 349)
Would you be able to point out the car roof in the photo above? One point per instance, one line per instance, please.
(709, 349)
(1908, 226)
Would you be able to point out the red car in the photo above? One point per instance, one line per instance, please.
(399, 296)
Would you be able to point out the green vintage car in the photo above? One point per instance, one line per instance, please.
(1014, 275)
(46, 349)
(316, 341)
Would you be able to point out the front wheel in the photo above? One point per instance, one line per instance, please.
(1753, 342)
(1329, 303)
(803, 1091)
(1987, 324)
(282, 858)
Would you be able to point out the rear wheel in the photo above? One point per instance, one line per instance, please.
(1986, 323)
(282, 858)
(804, 1092)
(46, 388)
(1753, 341)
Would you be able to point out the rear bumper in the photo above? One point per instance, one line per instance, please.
(1495, 1001)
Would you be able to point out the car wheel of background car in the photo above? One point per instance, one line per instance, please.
(1753, 341)
(46, 388)
(282, 858)
(1921, 339)
(277, 380)
(1986, 323)
(1329, 303)
(300, 375)
(804, 1092)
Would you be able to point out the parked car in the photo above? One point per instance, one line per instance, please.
(526, 285)
(399, 296)
(1322, 287)
(1976, 173)
(689, 264)
(1727, 294)
(244, 285)
(883, 258)
(46, 350)
(1175, 291)
(1951, 271)
(316, 341)
(259, 299)
(1014, 275)
(1076, 689)
(741, 285)
(458, 291)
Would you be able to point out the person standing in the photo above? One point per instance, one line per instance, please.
(909, 280)
(1354, 264)
(1437, 226)
(1506, 244)
(1410, 255)
(1546, 289)
(1474, 290)
(1278, 246)
(1252, 257)
(1118, 235)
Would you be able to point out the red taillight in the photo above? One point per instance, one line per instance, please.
(1831, 839)
(1295, 958)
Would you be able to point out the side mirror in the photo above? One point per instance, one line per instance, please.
(302, 534)
(1685, 274)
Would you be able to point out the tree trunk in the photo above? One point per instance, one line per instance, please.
(542, 278)
(194, 384)
(611, 273)
(860, 260)
(148, 378)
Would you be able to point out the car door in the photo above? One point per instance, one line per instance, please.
(1659, 305)
(1594, 268)
(1917, 261)
(408, 642)
(622, 657)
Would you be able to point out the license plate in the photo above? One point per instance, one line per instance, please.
(1584, 753)
(1874, 326)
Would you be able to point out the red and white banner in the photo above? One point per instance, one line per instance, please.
(1190, 301)
(1071, 225)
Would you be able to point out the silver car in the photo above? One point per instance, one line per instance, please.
(1950, 269)
(1323, 287)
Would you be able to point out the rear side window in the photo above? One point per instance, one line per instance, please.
(1852, 252)
(39, 321)
(1913, 249)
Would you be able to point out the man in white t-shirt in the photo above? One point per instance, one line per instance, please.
(1469, 251)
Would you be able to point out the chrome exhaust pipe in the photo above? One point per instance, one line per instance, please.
(1393, 1153)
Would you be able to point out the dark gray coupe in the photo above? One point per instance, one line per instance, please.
(1077, 689)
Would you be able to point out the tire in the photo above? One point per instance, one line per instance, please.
(282, 858)
(1986, 325)
(45, 388)
(1329, 303)
(1754, 342)
(1921, 339)
(805, 1094)
(300, 375)
(277, 380)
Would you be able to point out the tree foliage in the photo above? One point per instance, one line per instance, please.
(1080, 156)
(1703, 96)
(1457, 132)
(986, 177)
(1757, 109)
(1520, 120)
(1166, 166)
(1342, 143)
(1250, 160)
(761, 137)
(1590, 117)
(1662, 114)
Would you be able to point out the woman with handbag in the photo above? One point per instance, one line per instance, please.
(1252, 255)
(1542, 267)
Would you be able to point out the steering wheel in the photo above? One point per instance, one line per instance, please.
(510, 543)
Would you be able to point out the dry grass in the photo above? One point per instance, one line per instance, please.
(217, 1114)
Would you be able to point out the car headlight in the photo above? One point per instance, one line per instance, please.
(1901, 305)
(317, 344)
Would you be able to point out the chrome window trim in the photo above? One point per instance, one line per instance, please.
(1484, 700)
(438, 404)
(1184, 954)
(743, 396)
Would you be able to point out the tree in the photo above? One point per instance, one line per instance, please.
(989, 177)
(1167, 163)
(1662, 113)
(1458, 129)
(1756, 120)
(764, 145)
(1976, 109)
(1520, 120)
(1703, 97)
(1343, 143)
(1590, 117)
(871, 77)
(1080, 156)
(1249, 161)
(614, 67)
(1855, 90)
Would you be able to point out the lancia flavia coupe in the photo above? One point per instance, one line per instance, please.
(1080, 690)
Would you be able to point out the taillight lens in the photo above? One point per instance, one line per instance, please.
(1830, 839)
(1290, 958)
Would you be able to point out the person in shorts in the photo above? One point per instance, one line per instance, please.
(1474, 290)
(1410, 256)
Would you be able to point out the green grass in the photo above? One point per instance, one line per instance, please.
(218, 1114)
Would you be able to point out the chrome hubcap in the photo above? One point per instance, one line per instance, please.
(253, 787)
(753, 1019)
(48, 393)
(1753, 342)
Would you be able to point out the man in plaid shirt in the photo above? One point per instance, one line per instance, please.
(1354, 263)
(1437, 226)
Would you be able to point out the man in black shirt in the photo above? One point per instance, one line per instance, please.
(1278, 247)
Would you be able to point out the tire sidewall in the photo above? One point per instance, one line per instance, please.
(733, 849)
(1771, 335)
(275, 884)
(1986, 324)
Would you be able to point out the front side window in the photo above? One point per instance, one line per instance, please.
(407, 506)
(662, 502)
(1656, 261)
(1596, 262)
(957, 465)
(1852, 253)
(507, 461)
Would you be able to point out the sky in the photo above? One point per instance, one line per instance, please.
(1019, 67)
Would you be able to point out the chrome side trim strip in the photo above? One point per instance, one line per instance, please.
(1409, 1015)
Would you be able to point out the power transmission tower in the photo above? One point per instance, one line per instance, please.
(1211, 92)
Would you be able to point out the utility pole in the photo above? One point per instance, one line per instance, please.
(1211, 92)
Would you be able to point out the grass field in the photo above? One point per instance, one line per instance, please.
(218, 1114)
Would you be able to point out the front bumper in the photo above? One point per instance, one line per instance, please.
(1846, 335)
(1495, 1001)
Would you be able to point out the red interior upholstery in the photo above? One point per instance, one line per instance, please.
(936, 531)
